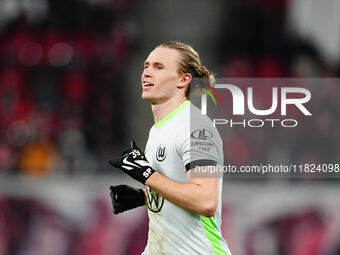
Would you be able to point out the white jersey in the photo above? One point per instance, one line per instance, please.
(171, 152)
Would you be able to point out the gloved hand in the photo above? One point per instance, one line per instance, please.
(125, 198)
(134, 163)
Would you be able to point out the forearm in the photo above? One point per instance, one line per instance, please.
(200, 195)
(201, 198)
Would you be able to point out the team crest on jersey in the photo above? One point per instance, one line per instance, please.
(155, 201)
(161, 153)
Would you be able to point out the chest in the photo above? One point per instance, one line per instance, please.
(163, 153)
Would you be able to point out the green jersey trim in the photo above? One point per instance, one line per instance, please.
(172, 114)
(209, 226)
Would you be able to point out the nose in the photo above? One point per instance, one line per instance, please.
(146, 73)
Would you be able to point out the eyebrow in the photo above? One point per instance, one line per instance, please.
(154, 63)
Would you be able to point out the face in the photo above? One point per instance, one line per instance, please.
(160, 79)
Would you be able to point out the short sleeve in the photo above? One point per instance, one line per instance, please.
(199, 147)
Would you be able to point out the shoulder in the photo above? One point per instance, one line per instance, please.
(192, 115)
(192, 124)
(198, 121)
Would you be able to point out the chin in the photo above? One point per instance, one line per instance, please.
(147, 97)
(150, 99)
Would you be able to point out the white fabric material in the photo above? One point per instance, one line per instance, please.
(173, 230)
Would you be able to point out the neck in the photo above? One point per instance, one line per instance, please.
(161, 110)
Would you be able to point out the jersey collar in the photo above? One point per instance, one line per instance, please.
(171, 114)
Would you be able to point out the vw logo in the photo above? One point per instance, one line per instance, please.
(155, 201)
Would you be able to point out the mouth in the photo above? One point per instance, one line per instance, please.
(147, 84)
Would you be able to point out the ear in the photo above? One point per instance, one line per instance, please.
(184, 81)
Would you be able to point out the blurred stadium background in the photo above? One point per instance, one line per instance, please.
(70, 100)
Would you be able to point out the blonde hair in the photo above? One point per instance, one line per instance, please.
(190, 62)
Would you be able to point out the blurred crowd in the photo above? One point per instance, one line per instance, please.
(63, 79)
(31, 227)
(261, 43)
(62, 101)
(62, 84)
(34, 227)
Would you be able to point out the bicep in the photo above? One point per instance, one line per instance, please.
(210, 185)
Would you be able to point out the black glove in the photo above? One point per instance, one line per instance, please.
(134, 163)
(125, 198)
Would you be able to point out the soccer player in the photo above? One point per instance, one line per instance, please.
(184, 210)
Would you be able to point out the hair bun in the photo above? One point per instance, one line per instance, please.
(205, 73)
